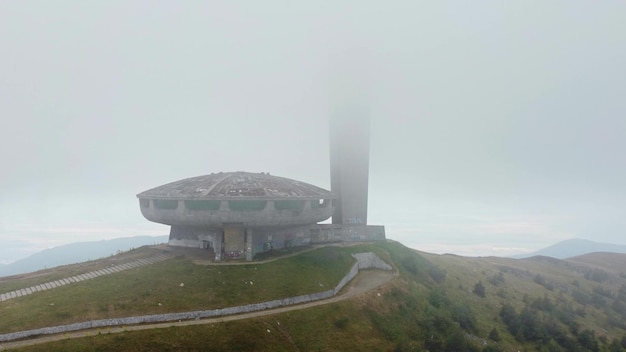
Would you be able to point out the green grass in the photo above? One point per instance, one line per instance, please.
(221, 337)
(278, 253)
(157, 288)
(524, 282)
(305, 330)
(11, 283)
(430, 306)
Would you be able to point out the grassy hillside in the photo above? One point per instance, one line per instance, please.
(77, 252)
(173, 286)
(14, 282)
(437, 303)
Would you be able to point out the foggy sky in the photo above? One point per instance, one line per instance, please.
(497, 127)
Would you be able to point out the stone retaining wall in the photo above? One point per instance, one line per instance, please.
(371, 260)
(347, 278)
(364, 261)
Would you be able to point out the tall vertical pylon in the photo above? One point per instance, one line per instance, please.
(349, 164)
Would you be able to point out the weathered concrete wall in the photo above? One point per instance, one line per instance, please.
(188, 236)
(321, 233)
(159, 318)
(370, 260)
(265, 238)
(349, 276)
(364, 261)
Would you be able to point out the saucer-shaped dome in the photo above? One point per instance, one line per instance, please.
(242, 198)
(236, 185)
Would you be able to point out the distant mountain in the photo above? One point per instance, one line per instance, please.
(436, 302)
(575, 247)
(610, 262)
(76, 253)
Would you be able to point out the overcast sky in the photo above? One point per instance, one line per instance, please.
(498, 127)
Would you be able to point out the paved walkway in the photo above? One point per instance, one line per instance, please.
(83, 277)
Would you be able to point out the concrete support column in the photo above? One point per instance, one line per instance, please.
(249, 245)
(217, 247)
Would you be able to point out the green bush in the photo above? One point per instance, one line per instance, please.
(494, 335)
(479, 289)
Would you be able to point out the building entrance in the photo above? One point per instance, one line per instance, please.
(234, 242)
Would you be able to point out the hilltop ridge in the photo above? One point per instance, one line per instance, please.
(77, 252)
(436, 303)
(574, 247)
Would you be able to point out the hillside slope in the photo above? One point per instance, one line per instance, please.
(437, 303)
(76, 253)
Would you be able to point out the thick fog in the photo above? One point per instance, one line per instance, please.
(497, 127)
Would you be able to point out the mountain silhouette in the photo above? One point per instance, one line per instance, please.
(575, 247)
(76, 253)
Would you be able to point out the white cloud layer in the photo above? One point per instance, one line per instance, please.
(494, 124)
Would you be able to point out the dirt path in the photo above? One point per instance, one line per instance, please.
(366, 280)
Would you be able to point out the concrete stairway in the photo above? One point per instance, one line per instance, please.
(83, 277)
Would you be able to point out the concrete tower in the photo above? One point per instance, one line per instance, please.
(349, 165)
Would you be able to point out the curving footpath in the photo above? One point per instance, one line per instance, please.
(361, 283)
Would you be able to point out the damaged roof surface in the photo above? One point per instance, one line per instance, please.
(235, 185)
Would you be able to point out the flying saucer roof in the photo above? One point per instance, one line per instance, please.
(237, 185)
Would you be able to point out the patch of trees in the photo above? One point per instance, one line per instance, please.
(515, 271)
(554, 331)
(421, 269)
(621, 294)
(479, 289)
(581, 297)
(544, 304)
(604, 292)
(597, 275)
(437, 274)
(497, 279)
(462, 315)
(416, 266)
(410, 264)
(437, 298)
(437, 324)
(618, 307)
(446, 329)
(540, 280)
(596, 298)
(494, 335)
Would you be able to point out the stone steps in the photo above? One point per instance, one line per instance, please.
(82, 277)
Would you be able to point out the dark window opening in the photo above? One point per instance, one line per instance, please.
(247, 205)
(289, 204)
(165, 204)
(205, 205)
